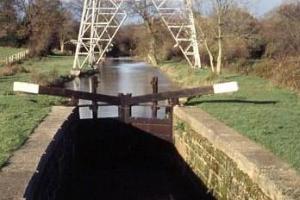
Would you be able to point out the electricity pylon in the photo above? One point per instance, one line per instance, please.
(102, 19)
(181, 25)
(100, 22)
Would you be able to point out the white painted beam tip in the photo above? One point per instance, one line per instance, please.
(226, 87)
(26, 87)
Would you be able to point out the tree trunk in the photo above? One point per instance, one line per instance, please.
(220, 46)
(211, 57)
(152, 47)
(62, 46)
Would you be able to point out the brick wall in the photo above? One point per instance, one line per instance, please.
(230, 165)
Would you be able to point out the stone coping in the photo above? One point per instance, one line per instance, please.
(275, 177)
(15, 177)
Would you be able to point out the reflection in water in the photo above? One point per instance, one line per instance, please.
(122, 77)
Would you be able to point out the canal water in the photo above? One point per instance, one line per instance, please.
(123, 76)
(115, 161)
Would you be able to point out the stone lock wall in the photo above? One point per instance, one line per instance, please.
(54, 166)
(32, 172)
(230, 165)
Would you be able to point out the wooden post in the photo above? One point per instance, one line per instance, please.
(124, 107)
(154, 84)
(94, 91)
(120, 110)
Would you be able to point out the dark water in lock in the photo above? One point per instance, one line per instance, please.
(124, 76)
(116, 161)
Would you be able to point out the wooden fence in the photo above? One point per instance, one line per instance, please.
(16, 57)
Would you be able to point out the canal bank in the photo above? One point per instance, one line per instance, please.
(28, 162)
(231, 165)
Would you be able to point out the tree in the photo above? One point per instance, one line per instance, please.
(144, 9)
(44, 22)
(67, 30)
(220, 9)
(8, 20)
(281, 30)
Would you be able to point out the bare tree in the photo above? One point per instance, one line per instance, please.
(67, 30)
(144, 9)
(220, 9)
(282, 30)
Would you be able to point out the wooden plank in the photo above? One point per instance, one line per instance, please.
(149, 121)
(172, 94)
(127, 100)
(163, 132)
(79, 95)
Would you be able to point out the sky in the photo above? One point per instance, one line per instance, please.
(258, 7)
(261, 7)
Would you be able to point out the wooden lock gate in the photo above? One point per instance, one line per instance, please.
(161, 128)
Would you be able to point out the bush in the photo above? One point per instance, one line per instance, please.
(52, 78)
(10, 70)
(284, 72)
(46, 78)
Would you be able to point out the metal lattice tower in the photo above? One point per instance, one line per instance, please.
(101, 20)
(181, 25)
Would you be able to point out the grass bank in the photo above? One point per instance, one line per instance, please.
(263, 112)
(19, 113)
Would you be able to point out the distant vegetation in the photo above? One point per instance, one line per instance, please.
(230, 36)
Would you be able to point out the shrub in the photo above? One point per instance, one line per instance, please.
(10, 70)
(44, 78)
(284, 72)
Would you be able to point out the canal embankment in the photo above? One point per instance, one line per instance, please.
(236, 163)
(27, 167)
(20, 114)
(261, 111)
(229, 164)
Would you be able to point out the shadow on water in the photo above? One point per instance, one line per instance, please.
(114, 161)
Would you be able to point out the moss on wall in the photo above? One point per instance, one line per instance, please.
(220, 173)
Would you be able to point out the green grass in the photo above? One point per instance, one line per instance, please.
(20, 114)
(261, 111)
(8, 51)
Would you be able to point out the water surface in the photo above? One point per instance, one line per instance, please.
(124, 76)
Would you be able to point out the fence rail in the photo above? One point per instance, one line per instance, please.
(16, 57)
